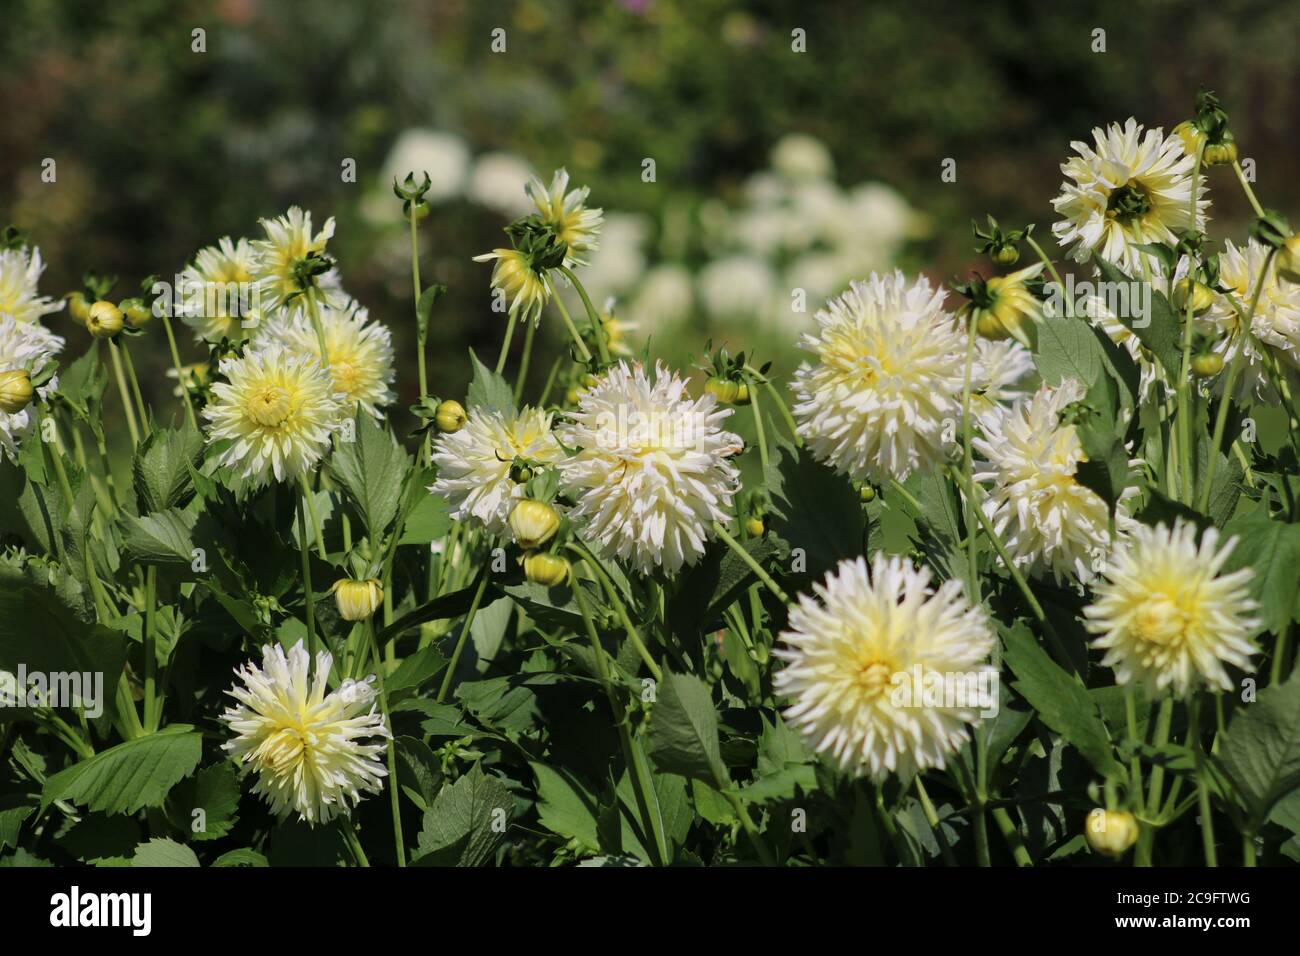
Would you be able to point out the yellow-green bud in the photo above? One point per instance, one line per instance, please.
(1221, 154)
(78, 307)
(550, 570)
(419, 210)
(728, 391)
(15, 391)
(572, 396)
(105, 320)
(1191, 135)
(754, 526)
(1111, 832)
(534, 523)
(357, 600)
(1005, 255)
(136, 313)
(1207, 364)
(867, 493)
(1202, 296)
(450, 417)
(1287, 263)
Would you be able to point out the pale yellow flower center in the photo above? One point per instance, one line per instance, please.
(345, 376)
(269, 406)
(1163, 620)
(871, 675)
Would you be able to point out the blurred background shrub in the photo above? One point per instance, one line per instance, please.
(774, 170)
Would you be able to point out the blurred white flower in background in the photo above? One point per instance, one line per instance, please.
(498, 182)
(799, 156)
(736, 287)
(444, 156)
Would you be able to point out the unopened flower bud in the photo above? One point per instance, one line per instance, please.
(550, 570)
(105, 320)
(1111, 832)
(357, 600)
(78, 307)
(1207, 364)
(533, 523)
(450, 417)
(1221, 154)
(136, 313)
(867, 493)
(1287, 263)
(728, 391)
(1191, 135)
(15, 391)
(1202, 296)
(754, 526)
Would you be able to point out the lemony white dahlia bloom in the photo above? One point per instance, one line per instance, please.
(360, 352)
(1166, 615)
(566, 211)
(652, 468)
(24, 347)
(1047, 519)
(315, 752)
(860, 654)
(890, 366)
(218, 296)
(526, 289)
(278, 262)
(474, 462)
(1130, 187)
(278, 409)
(20, 271)
(1000, 367)
(1274, 326)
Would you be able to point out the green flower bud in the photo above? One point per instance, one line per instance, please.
(1111, 832)
(15, 391)
(450, 417)
(550, 570)
(105, 320)
(534, 523)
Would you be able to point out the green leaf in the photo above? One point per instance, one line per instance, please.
(164, 852)
(1062, 702)
(815, 509)
(466, 823)
(371, 469)
(566, 807)
(213, 790)
(164, 537)
(488, 390)
(40, 631)
(162, 466)
(125, 778)
(1066, 348)
(11, 822)
(419, 773)
(1272, 549)
(241, 857)
(424, 308)
(428, 521)
(1261, 750)
(413, 672)
(1105, 469)
(683, 732)
(1159, 330)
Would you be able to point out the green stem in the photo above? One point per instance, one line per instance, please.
(529, 333)
(1229, 385)
(313, 311)
(644, 792)
(309, 598)
(310, 500)
(621, 610)
(759, 429)
(180, 374)
(1202, 789)
(1245, 186)
(597, 329)
(124, 393)
(464, 633)
(505, 343)
(399, 843)
(1184, 380)
(1007, 827)
(135, 390)
(151, 716)
(1056, 276)
(583, 352)
(782, 407)
(933, 819)
(350, 837)
(968, 466)
(754, 566)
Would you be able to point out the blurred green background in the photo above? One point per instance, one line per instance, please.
(161, 150)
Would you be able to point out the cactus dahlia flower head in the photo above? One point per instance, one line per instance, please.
(853, 655)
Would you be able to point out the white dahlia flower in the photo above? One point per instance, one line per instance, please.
(1167, 617)
(218, 295)
(360, 352)
(889, 371)
(1047, 520)
(883, 671)
(474, 462)
(20, 270)
(279, 411)
(1000, 367)
(1127, 189)
(566, 211)
(1274, 326)
(24, 347)
(277, 262)
(651, 473)
(315, 752)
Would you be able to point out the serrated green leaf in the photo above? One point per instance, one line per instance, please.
(1271, 548)
(466, 823)
(130, 776)
(213, 790)
(164, 852)
(1261, 750)
(371, 469)
(488, 390)
(162, 466)
(683, 732)
(164, 537)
